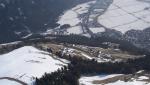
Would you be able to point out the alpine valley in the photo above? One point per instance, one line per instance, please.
(74, 42)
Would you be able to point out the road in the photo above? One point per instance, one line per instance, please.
(13, 79)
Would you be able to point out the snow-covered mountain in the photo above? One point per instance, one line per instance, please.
(25, 64)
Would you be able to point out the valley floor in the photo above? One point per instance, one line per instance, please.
(98, 16)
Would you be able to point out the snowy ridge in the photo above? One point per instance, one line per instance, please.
(26, 63)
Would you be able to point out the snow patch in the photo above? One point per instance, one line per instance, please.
(69, 17)
(2, 5)
(97, 30)
(143, 77)
(75, 30)
(87, 56)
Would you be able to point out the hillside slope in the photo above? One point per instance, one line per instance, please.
(26, 17)
(26, 63)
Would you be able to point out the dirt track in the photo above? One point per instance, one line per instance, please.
(13, 79)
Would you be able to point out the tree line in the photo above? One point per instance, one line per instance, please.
(124, 45)
(69, 75)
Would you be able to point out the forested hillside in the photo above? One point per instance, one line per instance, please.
(70, 75)
(22, 17)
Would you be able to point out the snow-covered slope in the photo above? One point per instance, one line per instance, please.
(26, 63)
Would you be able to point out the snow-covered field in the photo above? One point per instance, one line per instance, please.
(120, 15)
(26, 63)
(90, 79)
(75, 30)
(87, 80)
(129, 83)
(124, 15)
(97, 30)
(72, 17)
(69, 17)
